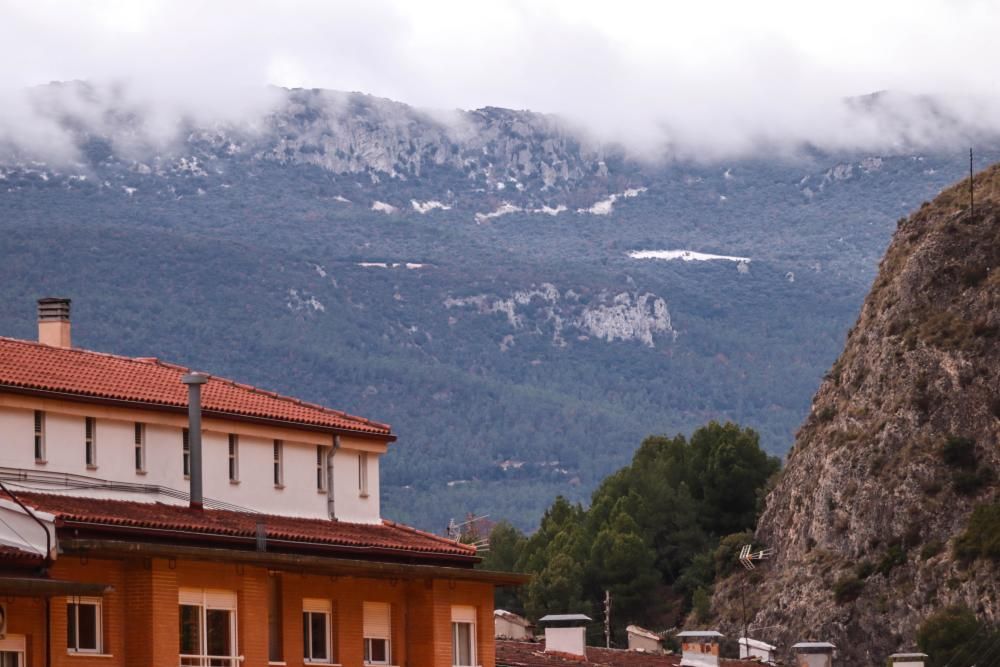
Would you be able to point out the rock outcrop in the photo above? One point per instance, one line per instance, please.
(902, 444)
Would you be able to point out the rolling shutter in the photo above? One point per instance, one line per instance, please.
(463, 614)
(377, 620)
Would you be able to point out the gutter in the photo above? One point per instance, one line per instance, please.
(182, 409)
(289, 562)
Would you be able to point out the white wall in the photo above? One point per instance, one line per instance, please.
(566, 640)
(64, 437)
(349, 504)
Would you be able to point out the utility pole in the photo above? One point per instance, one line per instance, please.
(607, 619)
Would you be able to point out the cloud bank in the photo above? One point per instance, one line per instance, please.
(708, 79)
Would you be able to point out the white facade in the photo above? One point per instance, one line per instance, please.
(303, 489)
(566, 640)
(511, 626)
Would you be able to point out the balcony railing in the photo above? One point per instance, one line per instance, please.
(210, 660)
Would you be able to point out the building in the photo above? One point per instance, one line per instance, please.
(758, 650)
(700, 648)
(508, 625)
(641, 639)
(908, 659)
(814, 654)
(150, 516)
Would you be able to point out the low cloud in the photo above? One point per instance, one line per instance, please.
(710, 80)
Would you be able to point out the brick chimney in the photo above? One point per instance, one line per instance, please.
(53, 322)
(566, 634)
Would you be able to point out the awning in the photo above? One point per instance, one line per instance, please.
(40, 587)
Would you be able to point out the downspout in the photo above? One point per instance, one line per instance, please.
(330, 503)
(194, 382)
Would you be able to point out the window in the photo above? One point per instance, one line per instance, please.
(140, 447)
(463, 636)
(363, 474)
(321, 455)
(39, 436)
(234, 457)
(377, 625)
(186, 452)
(208, 628)
(275, 636)
(90, 441)
(83, 625)
(12, 651)
(279, 472)
(316, 631)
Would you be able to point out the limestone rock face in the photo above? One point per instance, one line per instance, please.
(864, 517)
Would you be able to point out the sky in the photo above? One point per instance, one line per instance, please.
(724, 75)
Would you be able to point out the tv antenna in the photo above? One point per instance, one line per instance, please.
(972, 194)
(747, 559)
(456, 531)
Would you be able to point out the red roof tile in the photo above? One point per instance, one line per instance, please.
(97, 375)
(532, 654)
(8, 553)
(387, 538)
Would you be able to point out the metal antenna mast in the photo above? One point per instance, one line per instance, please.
(607, 619)
(747, 558)
(972, 194)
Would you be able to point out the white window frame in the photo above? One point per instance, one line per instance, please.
(16, 644)
(324, 608)
(461, 615)
(139, 440)
(90, 442)
(96, 602)
(233, 459)
(39, 436)
(279, 464)
(321, 463)
(206, 600)
(371, 635)
(186, 453)
(363, 474)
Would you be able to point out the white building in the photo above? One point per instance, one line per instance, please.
(641, 639)
(756, 650)
(508, 625)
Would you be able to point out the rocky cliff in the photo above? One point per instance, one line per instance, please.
(870, 518)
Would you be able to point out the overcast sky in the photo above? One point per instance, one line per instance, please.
(713, 70)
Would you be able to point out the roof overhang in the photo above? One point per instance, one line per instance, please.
(41, 587)
(180, 409)
(289, 562)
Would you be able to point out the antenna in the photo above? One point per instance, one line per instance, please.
(747, 558)
(607, 619)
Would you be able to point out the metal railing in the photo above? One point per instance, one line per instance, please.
(189, 660)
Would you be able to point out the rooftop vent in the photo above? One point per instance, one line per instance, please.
(814, 654)
(566, 634)
(53, 322)
(908, 659)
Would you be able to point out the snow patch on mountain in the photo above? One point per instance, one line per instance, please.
(428, 206)
(504, 209)
(383, 207)
(684, 255)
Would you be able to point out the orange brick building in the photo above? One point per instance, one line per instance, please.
(107, 560)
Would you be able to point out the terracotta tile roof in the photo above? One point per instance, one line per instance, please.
(532, 654)
(129, 517)
(8, 553)
(96, 375)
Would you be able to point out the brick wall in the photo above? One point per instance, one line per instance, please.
(141, 615)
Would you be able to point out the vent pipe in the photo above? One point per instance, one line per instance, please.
(194, 382)
(53, 322)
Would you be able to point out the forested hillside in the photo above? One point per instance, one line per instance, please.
(474, 278)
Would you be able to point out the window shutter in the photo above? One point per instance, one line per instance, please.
(220, 599)
(463, 614)
(377, 620)
(317, 605)
(190, 596)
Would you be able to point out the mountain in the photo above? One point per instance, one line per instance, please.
(521, 301)
(889, 506)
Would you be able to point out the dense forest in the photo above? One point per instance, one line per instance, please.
(655, 536)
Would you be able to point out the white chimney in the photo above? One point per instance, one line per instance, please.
(814, 654)
(566, 633)
(53, 322)
(700, 648)
(908, 659)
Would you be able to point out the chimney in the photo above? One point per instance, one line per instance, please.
(908, 659)
(700, 648)
(814, 654)
(194, 382)
(53, 322)
(566, 634)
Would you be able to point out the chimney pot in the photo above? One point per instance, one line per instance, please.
(53, 322)
(566, 633)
